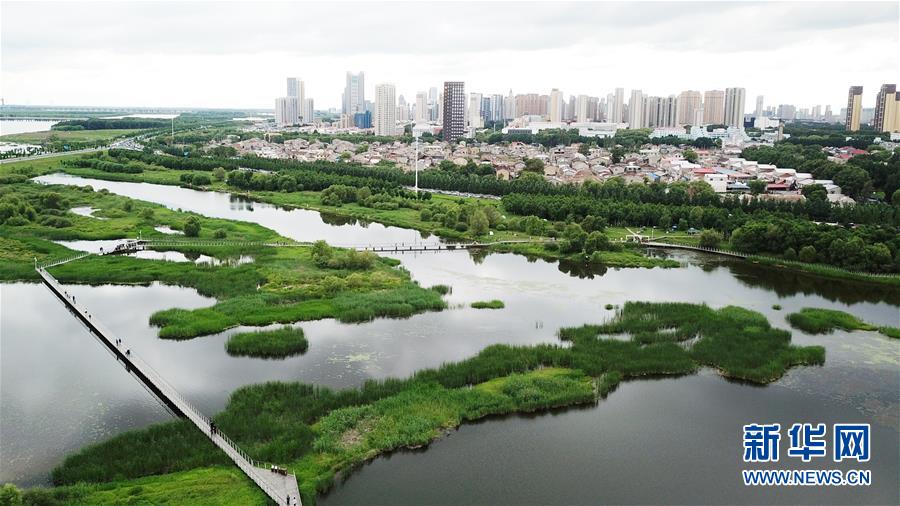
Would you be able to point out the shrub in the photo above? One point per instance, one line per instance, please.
(192, 227)
(220, 233)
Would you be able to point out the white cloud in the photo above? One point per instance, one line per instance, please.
(237, 54)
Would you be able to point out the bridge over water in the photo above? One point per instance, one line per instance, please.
(280, 486)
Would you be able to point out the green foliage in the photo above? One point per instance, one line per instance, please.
(690, 155)
(488, 304)
(191, 227)
(710, 239)
(282, 342)
(824, 321)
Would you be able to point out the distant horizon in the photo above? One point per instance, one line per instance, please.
(156, 53)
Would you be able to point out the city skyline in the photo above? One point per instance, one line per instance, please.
(800, 41)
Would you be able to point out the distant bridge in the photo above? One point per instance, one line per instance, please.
(276, 482)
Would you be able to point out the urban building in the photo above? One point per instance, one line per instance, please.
(787, 112)
(886, 109)
(287, 111)
(454, 111)
(714, 107)
(354, 99)
(854, 109)
(473, 119)
(362, 120)
(734, 107)
(385, 109)
(307, 110)
(636, 109)
(688, 106)
(556, 106)
(422, 112)
(759, 107)
(616, 104)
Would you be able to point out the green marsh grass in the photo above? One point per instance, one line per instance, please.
(277, 343)
(488, 304)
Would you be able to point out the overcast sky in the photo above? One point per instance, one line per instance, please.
(237, 54)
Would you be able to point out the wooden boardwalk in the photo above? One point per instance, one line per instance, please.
(715, 251)
(281, 488)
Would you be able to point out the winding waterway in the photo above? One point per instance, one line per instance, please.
(674, 440)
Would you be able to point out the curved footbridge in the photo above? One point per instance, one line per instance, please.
(276, 482)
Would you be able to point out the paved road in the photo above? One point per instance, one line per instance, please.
(51, 155)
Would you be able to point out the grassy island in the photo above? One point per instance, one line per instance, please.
(488, 304)
(824, 321)
(319, 432)
(282, 342)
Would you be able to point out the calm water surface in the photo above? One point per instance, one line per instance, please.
(653, 441)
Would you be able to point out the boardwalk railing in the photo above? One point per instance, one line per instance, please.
(256, 470)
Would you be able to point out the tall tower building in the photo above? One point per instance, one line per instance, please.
(688, 105)
(385, 109)
(886, 109)
(453, 111)
(759, 107)
(734, 107)
(854, 108)
(355, 93)
(714, 107)
(307, 110)
(556, 106)
(636, 109)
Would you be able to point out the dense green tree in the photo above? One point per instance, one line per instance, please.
(478, 222)
(690, 155)
(192, 227)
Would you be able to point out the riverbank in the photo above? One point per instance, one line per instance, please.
(428, 217)
(279, 285)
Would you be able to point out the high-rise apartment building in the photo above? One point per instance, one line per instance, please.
(787, 112)
(734, 107)
(354, 93)
(581, 109)
(296, 88)
(385, 109)
(473, 112)
(688, 106)
(854, 109)
(286, 111)
(498, 107)
(531, 104)
(421, 107)
(509, 106)
(887, 115)
(636, 109)
(714, 107)
(307, 110)
(759, 107)
(454, 111)
(556, 105)
(616, 106)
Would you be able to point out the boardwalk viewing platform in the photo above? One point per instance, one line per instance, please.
(280, 486)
